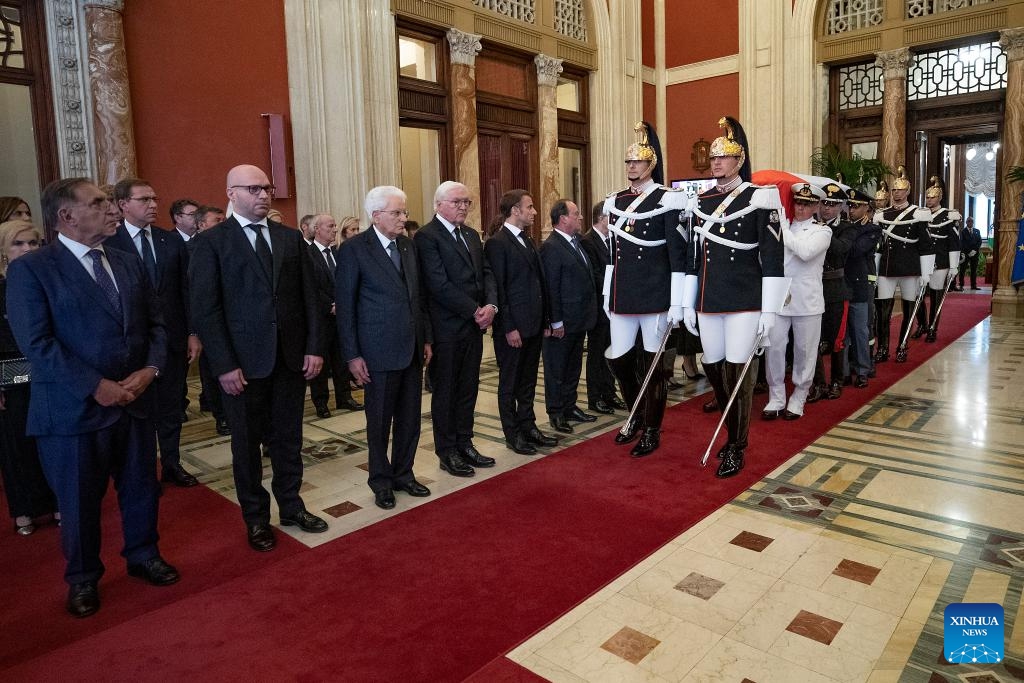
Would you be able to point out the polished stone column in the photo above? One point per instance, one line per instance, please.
(463, 50)
(108, 82)
(548, 69)
(1007, 301)
(892, 147)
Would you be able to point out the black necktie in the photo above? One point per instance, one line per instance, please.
(579, 252)
(460, 241)
(396, 258)
(104, 280)
(330, 258)
(263, 251)
(148, 258)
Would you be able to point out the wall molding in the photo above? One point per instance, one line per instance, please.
(698, 71)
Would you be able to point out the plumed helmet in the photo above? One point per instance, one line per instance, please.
(646, 148)
(882, 193)
(901, 182)
(935, 189)
(732, 144)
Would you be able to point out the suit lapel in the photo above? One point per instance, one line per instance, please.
(526, 250)
(79, 280)
(243, 246)
(379, 254)
(278, 245)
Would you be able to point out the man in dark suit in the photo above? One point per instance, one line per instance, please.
(573, 303)
(210, 397)
(385, 335)
(164, 258)
(521, 323)
(970, 244)
(88, 321)
(462, 302)
(254, 307)
(601, 393)
(325, 229)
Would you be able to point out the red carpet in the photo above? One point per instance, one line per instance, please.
(437, 593)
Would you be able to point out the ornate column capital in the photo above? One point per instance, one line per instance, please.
(464, 46)
(894, 63)
(548, 69)
(1012, 42)
(116, 5)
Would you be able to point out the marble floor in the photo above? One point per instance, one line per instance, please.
(835, 567)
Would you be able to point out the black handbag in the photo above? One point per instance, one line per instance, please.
(15, 371)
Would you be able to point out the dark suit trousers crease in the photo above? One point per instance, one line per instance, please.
(169, 388)
(393, 404)
(600, 381)
(517, 382)
(455, 378)
(334, 367)
(78, 467)
(563, 363)
(268, 411)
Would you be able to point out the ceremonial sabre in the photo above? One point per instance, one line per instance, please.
(938, 309)
(732, 398)
(624, 429)
(901, 350)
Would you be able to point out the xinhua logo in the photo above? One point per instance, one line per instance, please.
(973, 633)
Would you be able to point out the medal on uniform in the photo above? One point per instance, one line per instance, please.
(722, 229)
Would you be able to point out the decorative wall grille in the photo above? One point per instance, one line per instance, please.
(570, 19)
(12, 52)
(924, 8)
(860, 85)
(852, 15)
(520, 10)
(956, 71)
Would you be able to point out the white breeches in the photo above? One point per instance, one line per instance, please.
(908, 287)
(728, 335)
(625, 327)
(806, 334)
(938, 279)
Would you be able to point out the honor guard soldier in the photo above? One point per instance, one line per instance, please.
(906, 259)
(643, 286)
(859, 273)
(806, 243)
(944, 228)
(735, 282)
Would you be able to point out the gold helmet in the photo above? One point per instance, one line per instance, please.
(935, 189)
(641, 150)
(882, 193)
(727, 145)
(901, 182)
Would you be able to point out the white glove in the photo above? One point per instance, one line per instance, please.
(675, 316)
(924, 281)
(765, 324)
(972, 252)
(690, 320)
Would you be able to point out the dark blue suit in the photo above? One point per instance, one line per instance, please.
(74, 338)
(382, 319)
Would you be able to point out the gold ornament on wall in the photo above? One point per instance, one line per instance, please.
(701, 155)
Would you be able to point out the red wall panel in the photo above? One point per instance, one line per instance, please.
(693, 111)
(201, 74)
(698, 30)
(646, 32)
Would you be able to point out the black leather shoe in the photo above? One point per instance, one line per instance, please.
(538, 438)
(789, 415)
(384, 499)
(577, 415)
(882, 355)
(261, 537)
(931, 337)
(222, 427)
(349, 404)
(322, 410)
(835, 390)
(860, 382)
(769, 415)
(179, 477)
(628, 432)
(520, 445)
(816, 393)
(901, 354)
(453, 464)
(732, 463)
(617, 403)
(83, 599)
(918, 332)
(474, 457)
(723, 451)
(710, 406)
(648, 443)
(155, 571)
(560, 424)
(306, 521)
(414, 489)
(601, 407)
(672, 384)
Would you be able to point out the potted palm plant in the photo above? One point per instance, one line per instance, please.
(855, 170)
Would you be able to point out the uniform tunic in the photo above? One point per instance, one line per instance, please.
(944, 229)
(909, 240)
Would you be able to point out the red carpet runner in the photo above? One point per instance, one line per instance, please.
(436, 593)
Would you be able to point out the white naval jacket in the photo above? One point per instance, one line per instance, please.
(805, 245)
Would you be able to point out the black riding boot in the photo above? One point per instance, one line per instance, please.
(908, 313)
(654, 399)
(934, 296)
(883, 317)
(626, 371)
(738, 420)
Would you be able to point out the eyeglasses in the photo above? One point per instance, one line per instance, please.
(462, 203)
(144, 200)
(395, 213)
(22, 243)
(255, 189)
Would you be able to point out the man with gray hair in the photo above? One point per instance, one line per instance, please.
(385, 338)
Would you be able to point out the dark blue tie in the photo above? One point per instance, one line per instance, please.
(576, 246)
(263, 251)
(148, 259)
(396, 258)
(104, 280)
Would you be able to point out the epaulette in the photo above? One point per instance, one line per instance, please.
(766, 197)
(954, 214)
(923, 215)
(674, 200)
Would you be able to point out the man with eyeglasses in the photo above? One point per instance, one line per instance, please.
(183, 215)
(463, 301)
(165, 261)
(254, 306)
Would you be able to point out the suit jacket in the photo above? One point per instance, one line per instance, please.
(381, 313)
(73, 337)
(522, 290)
(456, 282)
(599, 256)
(571, 293)
(241, 315)
(324, 277)
(172, 279)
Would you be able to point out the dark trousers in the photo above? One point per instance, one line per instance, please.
(211, 388)
(28, 494)
(455, 377)
(393, 403)
(832, 333)
(600, 380)
(168, 408)
(517, 382)
(972, 262)
(563, 364)
(78, 467)
(268, 411)
(334, 367)
(857, 329)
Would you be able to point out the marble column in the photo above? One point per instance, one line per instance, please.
(108, 83)
(1007, 301)
(548, 69)
(463, 48)
(892, 148)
